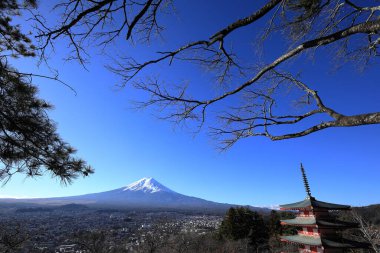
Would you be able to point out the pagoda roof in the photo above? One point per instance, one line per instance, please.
(312, 221)
(312, 202)
(326, 243)
(303, 239)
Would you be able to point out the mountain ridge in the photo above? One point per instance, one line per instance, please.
(144, 193)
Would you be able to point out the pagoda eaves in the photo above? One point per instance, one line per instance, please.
(322, 242)
(312, 203)
(318, 223)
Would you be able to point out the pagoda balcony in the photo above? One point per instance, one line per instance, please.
(305, 214)
(309, 233)
(308, 251)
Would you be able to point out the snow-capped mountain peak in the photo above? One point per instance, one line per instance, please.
(147, 185)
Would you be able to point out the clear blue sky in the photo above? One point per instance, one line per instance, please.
(124, 145)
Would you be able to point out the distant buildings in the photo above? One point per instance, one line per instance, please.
(72, 248)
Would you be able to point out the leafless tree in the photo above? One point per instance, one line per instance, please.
(254, 106)
(97, 242)
(370, 233)
(193, 243)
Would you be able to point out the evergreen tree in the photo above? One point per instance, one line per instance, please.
(274, 224)
(29, 142)
(241, 223)
(13, 42)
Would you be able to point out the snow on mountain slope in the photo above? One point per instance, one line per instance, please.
(147, 185)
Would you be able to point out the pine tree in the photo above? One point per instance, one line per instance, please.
(274, 224)
(29, 142)
(13, 42)
(242, 223)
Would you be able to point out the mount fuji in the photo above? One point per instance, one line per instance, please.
(147, 185)
(145, 193)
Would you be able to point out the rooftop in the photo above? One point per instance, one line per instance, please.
(311, 221)
(326, 243)
(309, 203)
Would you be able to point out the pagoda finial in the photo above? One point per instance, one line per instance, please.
(305, 182)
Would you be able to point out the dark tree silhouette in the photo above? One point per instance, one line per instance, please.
(351, 27)
(29, 142)
(274, 224)
(12, 237)
(242, 223)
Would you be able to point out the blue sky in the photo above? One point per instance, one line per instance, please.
(124, 145)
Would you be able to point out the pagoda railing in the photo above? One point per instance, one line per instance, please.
(305, 215)
(301, 232)
(307, 251)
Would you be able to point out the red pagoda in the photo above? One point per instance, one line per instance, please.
(319, 230)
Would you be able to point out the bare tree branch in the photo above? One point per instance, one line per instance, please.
(259, 110)
(370, 233)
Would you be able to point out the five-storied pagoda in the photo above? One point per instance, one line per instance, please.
(320, 229)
